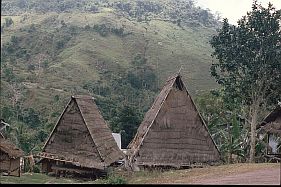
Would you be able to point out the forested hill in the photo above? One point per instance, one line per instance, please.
(178, 11)
(120, 52)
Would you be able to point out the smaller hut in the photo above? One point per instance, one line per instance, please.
(9, 158)
(81, 141)
(271, 125)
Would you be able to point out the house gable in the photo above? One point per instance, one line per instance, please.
(177, 135)
(72, 140)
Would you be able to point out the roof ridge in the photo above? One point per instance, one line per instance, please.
(82, 97)
(102, 159)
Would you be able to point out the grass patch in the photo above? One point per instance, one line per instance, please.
(35, 178)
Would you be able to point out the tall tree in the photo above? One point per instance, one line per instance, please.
(126, 121)
(249, 62)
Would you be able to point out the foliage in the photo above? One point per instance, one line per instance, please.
(179, 12)
(8, 21)
(104, 30)
(225, 123)
(115, 179)
(8, 74)
(36, 169)
(139, 10)
(126, 121)
(142, 75)
(249, 66)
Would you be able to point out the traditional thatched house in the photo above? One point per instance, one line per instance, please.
(81, 141)
(271, 125)
(172, 134)
(9, 158)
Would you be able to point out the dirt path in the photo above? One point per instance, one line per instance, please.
(262, 176)
(241, 173)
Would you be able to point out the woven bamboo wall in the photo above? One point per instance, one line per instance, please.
(177, 136)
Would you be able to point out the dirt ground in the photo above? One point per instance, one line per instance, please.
(262, 176)
(243, 173)
(251, 174)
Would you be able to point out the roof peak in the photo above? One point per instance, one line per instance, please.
(82, 97)
(174, 76)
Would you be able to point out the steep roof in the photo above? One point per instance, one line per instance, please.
(151, 115)
(8, 147)
(270, 123)
(272, 115)
(99, 131)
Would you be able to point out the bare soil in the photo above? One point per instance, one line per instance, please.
(262, 176)
(242, 173)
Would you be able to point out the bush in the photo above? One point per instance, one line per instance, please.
(102, 29)
(9, 21)
(36, 169)
(114, 179)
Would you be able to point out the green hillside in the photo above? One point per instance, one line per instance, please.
(120, 52)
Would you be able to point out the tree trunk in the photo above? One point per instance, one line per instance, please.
(229, 143)
(253, 133)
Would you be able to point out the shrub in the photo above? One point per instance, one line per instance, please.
(9, 21)
(114, 179)
(36, 169)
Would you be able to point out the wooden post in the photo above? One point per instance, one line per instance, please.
(19, 167)
(56, 170)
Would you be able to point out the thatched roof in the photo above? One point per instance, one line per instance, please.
(186, 129)
(103, 142)
(151, 114)
(272, 122)
(8, 147)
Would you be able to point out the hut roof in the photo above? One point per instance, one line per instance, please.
(99, 131)
(9, 148)
(270, 122)
(151, 115)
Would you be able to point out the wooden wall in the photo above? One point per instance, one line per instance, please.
(9, 165)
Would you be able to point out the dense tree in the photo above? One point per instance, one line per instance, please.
(126, 121)
(225, 123)
(8, 21)
(249, 62)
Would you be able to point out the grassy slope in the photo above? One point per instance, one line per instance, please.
(170, 47)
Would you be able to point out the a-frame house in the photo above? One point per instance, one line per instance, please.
(271, 126)
(172, 134)
(81, 141)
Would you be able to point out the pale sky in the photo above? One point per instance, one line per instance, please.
(233, 10)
